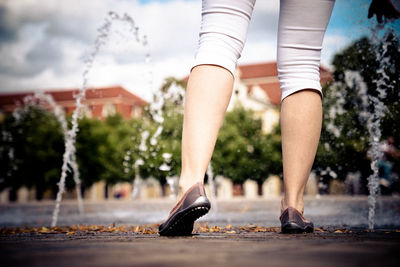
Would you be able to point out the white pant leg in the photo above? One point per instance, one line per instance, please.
(302, 25)
(223, 32)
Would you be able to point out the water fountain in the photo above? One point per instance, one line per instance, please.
(173, 94)
(373, 118)
(213, 189)
(371, 110)
(373, 123)
(101, 39)
(60, 115)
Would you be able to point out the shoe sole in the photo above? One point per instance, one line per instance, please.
(294, 228)
(181, 223)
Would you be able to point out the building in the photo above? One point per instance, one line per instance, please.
(98, 103)
(257, 88)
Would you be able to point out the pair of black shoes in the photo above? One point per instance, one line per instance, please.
(195, 204)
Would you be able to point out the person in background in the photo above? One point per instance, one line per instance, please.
(385, 164)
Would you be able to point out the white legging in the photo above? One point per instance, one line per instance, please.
(302, 25)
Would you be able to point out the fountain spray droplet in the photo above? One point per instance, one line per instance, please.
(60, 115)
(68, 157)
(175, 94)
(213, 188)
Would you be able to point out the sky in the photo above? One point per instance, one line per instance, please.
(43, 43)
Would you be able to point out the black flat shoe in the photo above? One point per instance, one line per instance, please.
(190, 207)
(293, 222)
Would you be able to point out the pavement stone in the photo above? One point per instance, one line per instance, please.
(206, 249)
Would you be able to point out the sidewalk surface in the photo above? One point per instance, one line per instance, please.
(241, 233)
(211, 249)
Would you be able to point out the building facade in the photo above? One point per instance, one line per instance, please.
(98, 103)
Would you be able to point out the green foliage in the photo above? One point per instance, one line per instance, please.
(242, 150)
(32, 148)
(172, 81)
(91, 145)
(31, 154)
(165, 149)
(172, 135)
(101, 149)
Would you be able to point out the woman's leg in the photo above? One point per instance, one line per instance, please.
(222, 36)
(207, 97)
(301, 120)
(302, 26)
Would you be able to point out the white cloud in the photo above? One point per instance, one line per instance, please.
(259, 51)
(53, 36)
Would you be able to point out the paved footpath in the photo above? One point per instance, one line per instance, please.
(341, 239)
(204, 249)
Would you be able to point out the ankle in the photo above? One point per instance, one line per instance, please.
(186, 182)
(298, 204)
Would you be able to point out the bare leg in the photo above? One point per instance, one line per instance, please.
(300, 40)
(301, 120)
(207, 97)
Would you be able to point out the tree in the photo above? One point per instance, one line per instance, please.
(162, 153)
(101, 149)
(242, 150)
(31, 154)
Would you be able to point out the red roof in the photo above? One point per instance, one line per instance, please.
(258, 70)
(273, 92)
(266, 69)
(68, 95)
